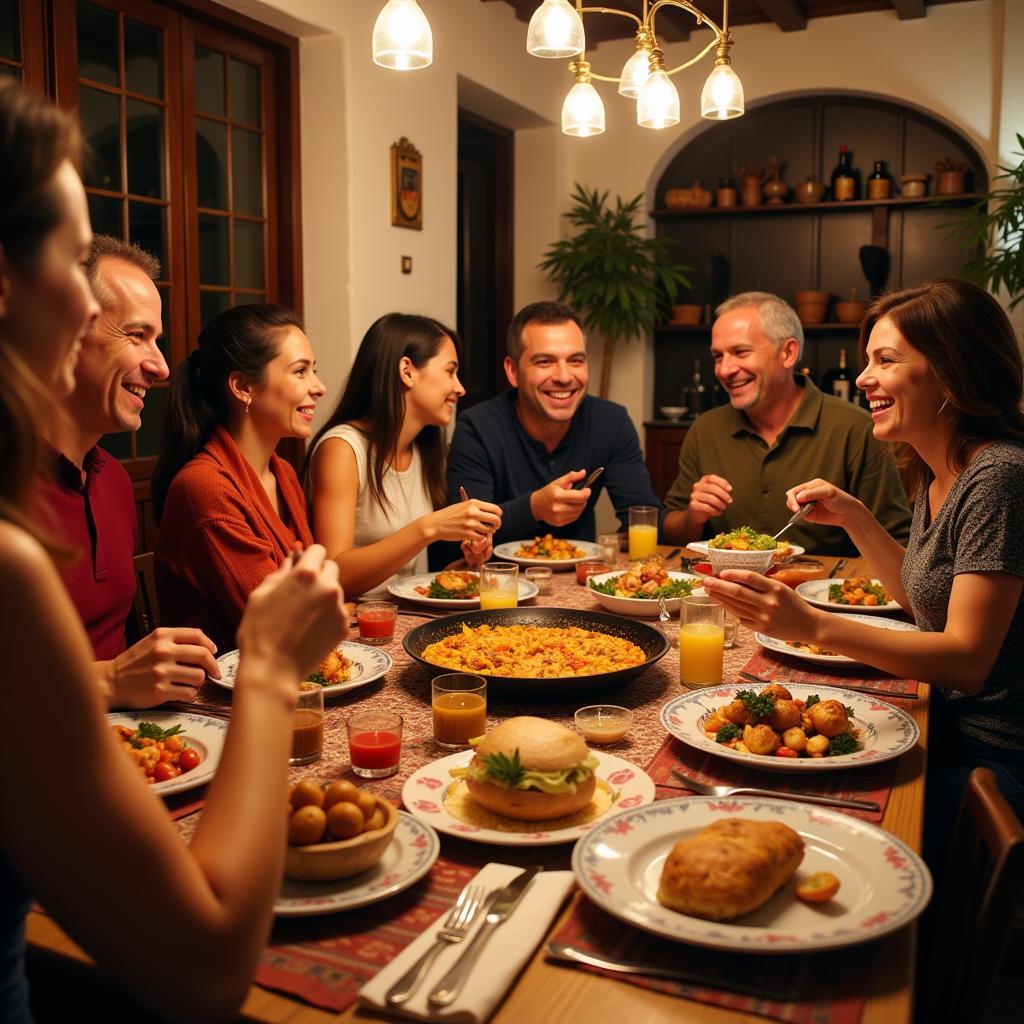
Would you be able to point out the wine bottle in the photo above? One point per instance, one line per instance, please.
(837, 381)
(844, 181)
(879, 184)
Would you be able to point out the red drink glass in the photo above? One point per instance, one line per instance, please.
(374, 743)
(376, 621)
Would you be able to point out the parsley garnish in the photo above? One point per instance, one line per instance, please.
(317, 677)
(759, 705)
(505, 770)
(812, 699)
(152, 731)
(727, 733)
(844, 743)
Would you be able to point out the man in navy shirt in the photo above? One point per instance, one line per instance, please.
(526, 449)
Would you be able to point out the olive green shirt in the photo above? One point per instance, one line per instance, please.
(827, 437)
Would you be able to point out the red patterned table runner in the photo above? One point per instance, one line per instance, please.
(768, 666)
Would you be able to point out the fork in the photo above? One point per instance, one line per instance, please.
(454, 929)
(799, 514)
(805, 798)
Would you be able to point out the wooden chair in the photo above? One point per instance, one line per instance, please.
(147, 609)
(983, 886)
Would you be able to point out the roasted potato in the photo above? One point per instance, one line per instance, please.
(829, 718)
(785, 715)
(760, 739)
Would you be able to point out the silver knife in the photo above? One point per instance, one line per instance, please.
(503, 903)
(856, 687)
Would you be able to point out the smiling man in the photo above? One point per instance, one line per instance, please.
(779, 430)
(88, 495)
(527, 449)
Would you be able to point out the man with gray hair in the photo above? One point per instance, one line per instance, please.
(779, 430)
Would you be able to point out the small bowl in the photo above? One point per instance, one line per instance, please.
(674, 412)
(850, 311)
(322, 862)
(914, 184)
(727, 558)
(604, 723)
(687, 314)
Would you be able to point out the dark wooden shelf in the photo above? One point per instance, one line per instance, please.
(895, 202)
(699, 329)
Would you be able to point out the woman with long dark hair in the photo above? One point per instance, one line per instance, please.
(944, 379)
(78, 827)
(375, 472)
(230, 510)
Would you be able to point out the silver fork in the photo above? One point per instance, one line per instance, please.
(804, 798)
(454, 929)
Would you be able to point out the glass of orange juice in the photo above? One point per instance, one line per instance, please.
(701, 641)
(643, 531)
(499, 585)
(459, 703)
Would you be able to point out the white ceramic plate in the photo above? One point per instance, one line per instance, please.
(424, 795)
(781, 647)
(204, 733)
(368, 665)
(884, 885)
(816, 592)
(405, 588)
(702, 547)
(409, 856)
(885, 731)
(507, 553)
(639, 606)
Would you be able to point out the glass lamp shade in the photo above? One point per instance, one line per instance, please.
(402, 40)
(657, 102)
(722, 95)
(556, 31)
(634, 74)
(582, 111)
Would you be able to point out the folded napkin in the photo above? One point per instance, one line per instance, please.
(503, 957)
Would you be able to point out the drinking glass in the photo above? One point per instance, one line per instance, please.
(459, 703)
(643, 531)
(374, 743)
(701, 640)
(499, 585)
(308, 728)
(732, 630)
(610, 545)
(376, 621)
(540, 576)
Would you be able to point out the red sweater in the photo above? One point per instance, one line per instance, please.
(219, 537)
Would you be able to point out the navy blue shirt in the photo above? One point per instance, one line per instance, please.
(494, 458)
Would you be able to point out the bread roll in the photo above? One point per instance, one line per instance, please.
(729, 868)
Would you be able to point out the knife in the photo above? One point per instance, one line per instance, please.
(503, 902)
(593, 476)
(875, 691)
(837, 568)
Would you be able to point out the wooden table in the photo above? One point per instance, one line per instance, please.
(546, 992)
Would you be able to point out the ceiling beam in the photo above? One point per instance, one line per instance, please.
(789, 15)
(909, 9)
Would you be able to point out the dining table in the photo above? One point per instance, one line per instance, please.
(546, 990)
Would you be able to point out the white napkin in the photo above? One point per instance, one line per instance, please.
(504, 955)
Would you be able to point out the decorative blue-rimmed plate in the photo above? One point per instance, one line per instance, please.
(884, 732)
(785, 647)
(405, 588)
(884, 885)
(816, 592)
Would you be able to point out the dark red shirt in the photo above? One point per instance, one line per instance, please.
(96, 518)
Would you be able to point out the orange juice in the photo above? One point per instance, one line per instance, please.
(498, 599)
(700, 653)
(459, 717)
(643, 541)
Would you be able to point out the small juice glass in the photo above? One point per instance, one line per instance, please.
(376, 621)
(308, 730)
(499, 585)
(374, 743)
(459, 703)
(701, 641)
(643, 531)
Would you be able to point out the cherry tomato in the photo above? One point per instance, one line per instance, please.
(818, 888)
(188, 759)
(164, 771)
(786, 752)
(166, 755)
(174, 744)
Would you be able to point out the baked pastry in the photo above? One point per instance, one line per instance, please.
(729, 868)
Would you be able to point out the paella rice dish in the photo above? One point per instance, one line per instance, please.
(533, 652)
(555, 548)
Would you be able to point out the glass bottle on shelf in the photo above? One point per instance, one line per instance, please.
(844, 179)
(836, 381)
(879, 184)
(698, 393)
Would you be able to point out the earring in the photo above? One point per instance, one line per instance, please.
(945, 402)
(248, 402)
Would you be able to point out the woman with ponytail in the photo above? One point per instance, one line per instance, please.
(230, 510)
(213, 898)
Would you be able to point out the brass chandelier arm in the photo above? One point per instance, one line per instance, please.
(685, 5)
(612, 10)
(700, 56)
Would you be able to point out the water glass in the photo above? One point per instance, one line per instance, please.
(459, 703)
(540, 576)
(701, 641)
(610, 545)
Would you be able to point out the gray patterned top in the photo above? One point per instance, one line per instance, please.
(979, 528)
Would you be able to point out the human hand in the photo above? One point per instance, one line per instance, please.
(556, 503)
(295, 616)
(469, 520)
(167, 664)
(834, 507)
(765, 604)
(477, 552)
(709, 498)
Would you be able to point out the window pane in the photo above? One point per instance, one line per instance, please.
(245, 93)
(146, 229)
(212, 303)
(106, 216)
(147, 438)
(212, 164)
(10, 38)
(144, 133)
(100, 114)
(164, 341)
(210, 97)
(246, 172)
(213, 250)
(143, 59)
(118, 445)
(97, 44)
(248, 254)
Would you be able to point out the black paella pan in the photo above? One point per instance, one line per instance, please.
(648, 638)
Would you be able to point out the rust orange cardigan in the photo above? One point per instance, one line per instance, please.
(219, 536)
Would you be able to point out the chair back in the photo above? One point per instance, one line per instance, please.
(981, 891)
(146, 607)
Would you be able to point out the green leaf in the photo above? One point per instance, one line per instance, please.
(506, 771)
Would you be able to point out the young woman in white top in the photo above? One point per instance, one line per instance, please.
(375, 473)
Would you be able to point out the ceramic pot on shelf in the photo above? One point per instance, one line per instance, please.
(914, 184)
(775, 189)
(850, 311)
(809, 191)
(751, 193)
(811, 306)
(689, 315)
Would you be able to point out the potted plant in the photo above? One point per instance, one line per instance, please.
(995, 224)
(618, 280)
